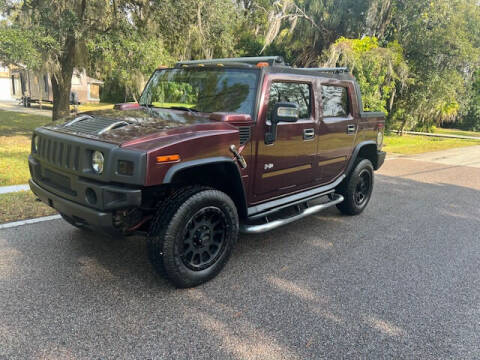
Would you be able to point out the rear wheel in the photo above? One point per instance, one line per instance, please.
(357, 189)
(192, 235)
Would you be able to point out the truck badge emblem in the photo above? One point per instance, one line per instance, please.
(268, 166)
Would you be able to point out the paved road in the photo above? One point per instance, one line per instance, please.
(400, 281)
(34, 109)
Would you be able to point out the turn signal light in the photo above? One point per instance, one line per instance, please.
(167, 158)
(262, 64)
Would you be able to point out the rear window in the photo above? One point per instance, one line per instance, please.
(335, 101)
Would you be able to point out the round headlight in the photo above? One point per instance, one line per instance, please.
(97, 162)
(379, 139)
(35, 143)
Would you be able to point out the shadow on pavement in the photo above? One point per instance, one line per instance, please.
(401, 280)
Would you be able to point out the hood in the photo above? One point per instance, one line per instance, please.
(120, 126)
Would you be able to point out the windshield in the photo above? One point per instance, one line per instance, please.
(205, 90)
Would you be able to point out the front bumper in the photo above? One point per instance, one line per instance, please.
(380, 159)
(79, 213)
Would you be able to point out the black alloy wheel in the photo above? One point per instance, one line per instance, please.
(362, 190)
(192, 235)
(357, 188)
(204, 238)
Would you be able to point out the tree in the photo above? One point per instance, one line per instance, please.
(61, 29)
(380, 71)
(196, 29)
(441, 40)
(124, 60)
(472, 118)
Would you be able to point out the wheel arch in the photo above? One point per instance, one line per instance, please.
(220, 173)
(363, 150)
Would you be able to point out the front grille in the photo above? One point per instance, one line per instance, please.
(58, 153)
(245, 133)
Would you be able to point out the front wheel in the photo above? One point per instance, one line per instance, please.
(192, 236)
(357, 189)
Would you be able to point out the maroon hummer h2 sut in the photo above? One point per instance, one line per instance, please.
(212, 148)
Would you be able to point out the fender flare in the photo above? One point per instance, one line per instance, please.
(355, 153)
(240, 196)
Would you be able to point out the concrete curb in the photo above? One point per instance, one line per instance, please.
(441, 135)
(29, 221)
(13, 188)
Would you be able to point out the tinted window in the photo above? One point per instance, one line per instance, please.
(205, 90)
(299, 94)
(335, 101)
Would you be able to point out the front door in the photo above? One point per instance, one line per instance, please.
(338, 129)
(286, 165)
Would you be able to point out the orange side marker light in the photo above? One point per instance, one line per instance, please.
(167, 158)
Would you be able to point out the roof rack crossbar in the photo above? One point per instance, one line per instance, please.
(337, 70)
(271, 60)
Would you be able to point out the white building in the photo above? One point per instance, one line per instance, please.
(10, 85)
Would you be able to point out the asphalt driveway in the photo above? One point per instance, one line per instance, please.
(400, 281)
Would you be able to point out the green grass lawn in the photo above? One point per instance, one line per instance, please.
(15, 134)
(81, 108)
(22, 205)
(411, 144)
(456, 132)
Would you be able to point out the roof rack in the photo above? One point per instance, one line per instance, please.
(338, 70)
(271, 60)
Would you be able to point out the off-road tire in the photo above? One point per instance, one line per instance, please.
(354, 204)
(168, 231)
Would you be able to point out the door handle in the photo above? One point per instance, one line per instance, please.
(351, 129)
(308, 134)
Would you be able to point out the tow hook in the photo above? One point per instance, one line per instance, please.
(238, 157)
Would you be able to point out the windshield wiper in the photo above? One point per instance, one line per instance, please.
(184, 108)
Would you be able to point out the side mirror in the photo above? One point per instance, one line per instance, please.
(282, 112)
(285, 112)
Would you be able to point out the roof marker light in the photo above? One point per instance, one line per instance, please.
(262, 64)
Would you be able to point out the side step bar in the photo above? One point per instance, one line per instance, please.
(258, 229)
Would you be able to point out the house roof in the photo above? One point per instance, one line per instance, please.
(94, 81)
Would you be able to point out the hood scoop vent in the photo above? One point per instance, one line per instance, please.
(87, 124)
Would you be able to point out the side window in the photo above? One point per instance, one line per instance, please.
(298, 93)
(335, 101)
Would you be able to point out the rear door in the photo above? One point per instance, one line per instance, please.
(287, 164)
(338, 129)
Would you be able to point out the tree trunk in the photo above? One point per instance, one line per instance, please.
(402, 127)
(62, 81)
(61, 96)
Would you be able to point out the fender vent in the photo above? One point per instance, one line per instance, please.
(245, 133)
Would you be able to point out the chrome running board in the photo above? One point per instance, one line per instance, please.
(261, 228)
